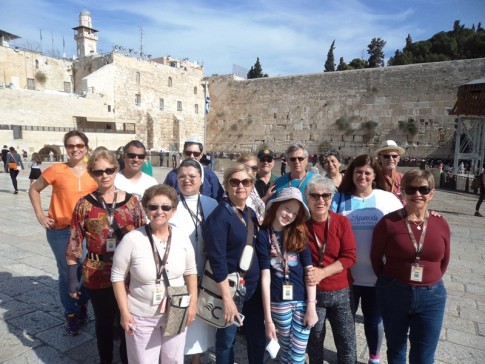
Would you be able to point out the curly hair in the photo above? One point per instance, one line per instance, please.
(348, 187)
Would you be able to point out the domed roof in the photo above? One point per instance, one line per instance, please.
(85, 12)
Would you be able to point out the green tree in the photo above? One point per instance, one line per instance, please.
(256, 71)
(330, 62)
(357, 63)
(342, 66)
(376, 53)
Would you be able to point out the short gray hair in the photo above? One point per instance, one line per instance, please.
(322, 181)
(294, 147)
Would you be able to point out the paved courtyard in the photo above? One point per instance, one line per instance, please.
(31, 322)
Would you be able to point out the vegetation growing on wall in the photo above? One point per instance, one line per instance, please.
(409, 127)
(368, 129)
(344, 124)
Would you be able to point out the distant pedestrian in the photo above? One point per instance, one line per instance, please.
(162, 154)
(174, 160)
(34, 166)
(481, 184)
(283, 165)
(15, 165)
(24, 155)
(51, 156)
(5, 151)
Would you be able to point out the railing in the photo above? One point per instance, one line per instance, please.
(461, 183)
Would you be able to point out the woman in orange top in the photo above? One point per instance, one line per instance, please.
(70, 181)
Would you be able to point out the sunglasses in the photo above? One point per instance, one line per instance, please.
(78, 146)
(188, 153)
(100, 172)
(234, 182)
(266, 160)
(134, 155)
(423, 190)
(253, 168)
(187, 176)
(294, 159)
(387, 156)
(165, 208)
(317, 196)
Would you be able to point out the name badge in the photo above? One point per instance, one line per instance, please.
(287, 292)
(110, 245)
(157, 295)
(416, 273)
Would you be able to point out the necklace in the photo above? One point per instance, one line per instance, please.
(107, 192)
(418, 224)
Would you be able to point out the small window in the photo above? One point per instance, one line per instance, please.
(162, 104)
(196, 108)
(195, 90)
(138, 99)
(138, 77)
(17, 131)
(30, 84)
(179, 105)
(67, 87)
(170, 82)
(109, 108)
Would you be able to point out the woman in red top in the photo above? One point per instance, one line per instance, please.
(332, 245)
(410, 253)
(102, 218)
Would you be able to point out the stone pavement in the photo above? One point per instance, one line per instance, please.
(31, 322)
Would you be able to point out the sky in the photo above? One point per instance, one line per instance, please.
(289, 37)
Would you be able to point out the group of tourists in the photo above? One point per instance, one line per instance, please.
(305, 246)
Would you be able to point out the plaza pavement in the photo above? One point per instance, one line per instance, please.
(32, 326)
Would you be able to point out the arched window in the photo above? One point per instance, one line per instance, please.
(170, 82)
(196, 108)
(195, 90)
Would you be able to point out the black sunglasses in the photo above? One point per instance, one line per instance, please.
(324, 196)
(134, 155)
(423, 190)
(387, 156)
(188, 153)
(300, 159)
(78, 146)
(165, 208)
(267, 160)
(234, 182)
(100, 172)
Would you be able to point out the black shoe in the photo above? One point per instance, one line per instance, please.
(478, 214)
(83, 317)
(16, 193)
(72, 324)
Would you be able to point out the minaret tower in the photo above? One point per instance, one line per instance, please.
(85, 35)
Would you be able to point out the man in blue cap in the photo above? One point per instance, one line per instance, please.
(193, 150)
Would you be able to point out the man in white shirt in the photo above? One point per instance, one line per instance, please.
(131, 179)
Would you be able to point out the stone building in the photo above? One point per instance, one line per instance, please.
(112, 97)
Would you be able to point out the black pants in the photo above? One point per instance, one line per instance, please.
(13, 175)
(105, 312)
(480, 199)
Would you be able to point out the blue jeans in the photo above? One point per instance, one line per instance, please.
(417, 309)
(58, 239)
(373, 328)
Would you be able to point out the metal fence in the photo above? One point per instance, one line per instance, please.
(461, 183)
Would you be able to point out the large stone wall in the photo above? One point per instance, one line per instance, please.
(279, 111)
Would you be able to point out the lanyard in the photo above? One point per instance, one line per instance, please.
(195, 217)
(239, 215)
(110, 212)
(160, 266)
(283, 258)
(301, 181)
(417, 246)
(322, 247)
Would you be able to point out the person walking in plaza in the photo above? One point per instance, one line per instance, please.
(5, 151)
(34, 166)
(389, 155)
(191, 216)
(156, 257)
(297, 157)
(331, 162)
(102, 218)
(364, 201)
(70, 181)
(225, 235)
(265, 178)
(211, 187)
(284, 162)
(15, 165)
(332, 246)
(410, 254)
(481, 186)
(284, 259)
(131, 179)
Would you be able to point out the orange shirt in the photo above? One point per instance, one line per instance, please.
(67, 189)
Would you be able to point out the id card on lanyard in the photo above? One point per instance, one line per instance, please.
(417, 270)
(287, 293)
(110, 243)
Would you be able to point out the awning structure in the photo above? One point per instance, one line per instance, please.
(470, 124)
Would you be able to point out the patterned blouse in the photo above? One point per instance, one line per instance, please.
(90, 222)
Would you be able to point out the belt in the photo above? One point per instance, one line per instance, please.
(100, 257)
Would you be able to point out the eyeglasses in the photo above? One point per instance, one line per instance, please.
(254, 168)
(266, 160)
(234, 182)
(165, 208)
(72, 146)
(100, 172)
(387, 156)
(188, 153)
(294, 159)
(187, 176)
(134, 155)
(317, 196)
(423, 190)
